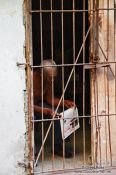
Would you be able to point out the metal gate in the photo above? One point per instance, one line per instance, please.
(80, 37)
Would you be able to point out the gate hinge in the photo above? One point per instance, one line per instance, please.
(99, 65)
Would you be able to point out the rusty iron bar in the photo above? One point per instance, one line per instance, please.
(64, 65)
(109, 127)
(52, 41)
(96, 53)
(73, 16)
(115, 48)
(67, 11)
(84, 85)
(80, 116)
(62, 36)
(29, 125)
(94, 84)
(41, 45)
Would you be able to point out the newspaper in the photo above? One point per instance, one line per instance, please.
(69, 122)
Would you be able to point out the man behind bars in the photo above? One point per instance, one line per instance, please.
(49, 74)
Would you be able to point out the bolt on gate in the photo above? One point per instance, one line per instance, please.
(79, 38)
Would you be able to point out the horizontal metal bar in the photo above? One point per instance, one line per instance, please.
(60, 11)
(56, 11)
(96, 66)
(67, 65)
(77, 64)
(86, 116)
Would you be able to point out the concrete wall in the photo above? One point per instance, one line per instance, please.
(12, 85)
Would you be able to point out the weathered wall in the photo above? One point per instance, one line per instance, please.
(104, 91)
(12, 84)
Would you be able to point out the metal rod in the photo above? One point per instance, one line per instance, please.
(62, 35)
(97, 93)
(74, 143)
(109, 127)
(80, 116)
(41, 36)
(60, 11)
(65, 65)
(83, 85)
(52, 41)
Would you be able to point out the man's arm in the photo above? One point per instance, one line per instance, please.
(46, 111)
(55, 100)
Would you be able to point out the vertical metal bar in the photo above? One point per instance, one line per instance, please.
(94, 81)
(96, 55)
(108, 80)
(74, 144)
(96, 38)
(62, 21)
(105, 87)
(28, 86)
(41, 35)
(96, 139)
(98, 123)
(52, 89)
(115, 48)
(32, 101)
(83, 84)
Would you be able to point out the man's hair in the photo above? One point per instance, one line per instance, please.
(47, 65)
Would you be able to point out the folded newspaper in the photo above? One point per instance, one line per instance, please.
(69, 122)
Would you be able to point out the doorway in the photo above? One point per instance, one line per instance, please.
(59, 32)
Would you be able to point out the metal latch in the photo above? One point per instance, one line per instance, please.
(99, 65)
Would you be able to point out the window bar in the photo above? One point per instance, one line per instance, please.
(33, 132)
(107, 52)
(74, 143)
(82, 64)
(80, 116)
(41, 35)
(96, 143)
(96, 84)
(97, 53)
(91, 52)
(98, 123)
(83, 84)
(52, 86)
(105, 86)
(96, 38)
(62, 22)
(115, 49)
(94, 89)
(69, 11)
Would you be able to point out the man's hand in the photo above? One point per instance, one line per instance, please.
(51, 113)
(69, 103)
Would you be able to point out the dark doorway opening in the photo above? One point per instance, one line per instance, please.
(41, 39)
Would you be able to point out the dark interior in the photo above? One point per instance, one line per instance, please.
(68, 46)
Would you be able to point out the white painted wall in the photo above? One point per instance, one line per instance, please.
(12, 84)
